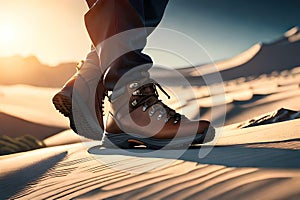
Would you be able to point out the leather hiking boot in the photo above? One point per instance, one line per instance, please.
(138, 117)
(75, 101)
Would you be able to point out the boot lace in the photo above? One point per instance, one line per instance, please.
(146, 96)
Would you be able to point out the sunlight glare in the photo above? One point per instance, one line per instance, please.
(7, 34)
(8, 37)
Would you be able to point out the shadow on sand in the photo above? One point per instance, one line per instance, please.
(15, 181)
(230, 156)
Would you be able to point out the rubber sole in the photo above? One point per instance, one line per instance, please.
(63, 104)
(76, 110)
(127, 141)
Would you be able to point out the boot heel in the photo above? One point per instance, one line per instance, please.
(63, 104)
(72, 105)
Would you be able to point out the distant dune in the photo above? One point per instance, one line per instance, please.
(29, 70)
(32, 104)
(262, 58)
(15, 127)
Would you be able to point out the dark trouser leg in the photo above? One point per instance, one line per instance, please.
(119, 55)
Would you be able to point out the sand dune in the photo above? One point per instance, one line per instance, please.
(267, 133)
(29, 70)
(245, 171)
(240, 99)
(15, 127)
(32, 104)
(28, 110)
(63, 138)
(262, 58)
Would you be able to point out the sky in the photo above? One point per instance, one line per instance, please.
(53, 30)
(228, 27)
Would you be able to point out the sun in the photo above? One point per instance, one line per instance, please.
(7, 34)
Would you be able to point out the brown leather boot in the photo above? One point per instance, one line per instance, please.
(75, 101)
(138, 117)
